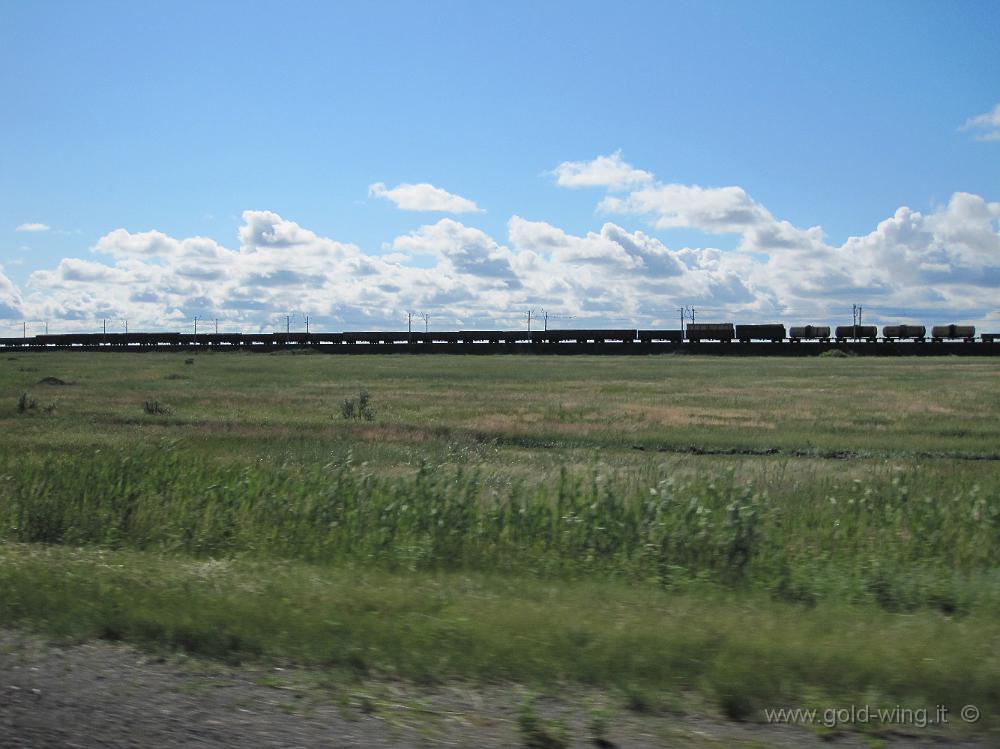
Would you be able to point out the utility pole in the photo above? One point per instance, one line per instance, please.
(307, 324)
(427, 319)
(529, 320)
(105, 321)
(46, 327)
(288, 324)
(217, 326)
(24, 329)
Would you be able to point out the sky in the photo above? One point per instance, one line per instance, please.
(471, 161)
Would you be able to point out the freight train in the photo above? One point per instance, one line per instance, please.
(694, 333)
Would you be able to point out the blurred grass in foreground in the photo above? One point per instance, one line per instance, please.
(742, 650)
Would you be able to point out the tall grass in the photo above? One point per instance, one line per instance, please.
(899, 543)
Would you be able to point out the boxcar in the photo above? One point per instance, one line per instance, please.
(710, 331)
(773, 332)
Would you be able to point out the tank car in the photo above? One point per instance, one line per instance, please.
(902, 332)
(809, 333)
(857, 332)
(965, 333)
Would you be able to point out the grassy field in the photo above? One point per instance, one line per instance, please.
(758, 532)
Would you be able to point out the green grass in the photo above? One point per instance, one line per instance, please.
(754, 530)
(432, 627)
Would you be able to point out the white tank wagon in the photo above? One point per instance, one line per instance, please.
(965, 333)
(902, 332)
(809, 333)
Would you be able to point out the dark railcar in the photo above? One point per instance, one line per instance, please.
(668, 336)
(773, 332)
(582, 336)
(857, 332)
(516, 336)
(901, 332)
(809, 333)
(710, 331)
(70, 339)
(953, 333)
(481, 336)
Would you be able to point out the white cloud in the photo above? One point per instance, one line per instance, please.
(33, 227)
(423, 197)
(10, 299)
(942, 265)
(605, 171)
(986, 126)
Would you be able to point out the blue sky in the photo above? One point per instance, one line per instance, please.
(177, 118)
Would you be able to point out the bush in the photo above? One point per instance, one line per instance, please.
(26, 403)
(155, 408)
(360, 409)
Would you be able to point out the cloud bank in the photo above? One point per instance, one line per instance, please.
(936, 267)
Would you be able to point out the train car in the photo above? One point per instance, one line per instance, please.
(69, 339)
(965, 333)
(516, 336)
(857, 332)
(774, 332)
(584, 336)
(710, 331)
(990, 337)
(660, 336)
(800, 333)
(481, 336)
(903, 332)
(251, 340)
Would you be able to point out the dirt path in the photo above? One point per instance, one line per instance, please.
(108, 695)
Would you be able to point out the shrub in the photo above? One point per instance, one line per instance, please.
(26, 403)
(155, 408)
(360, 409)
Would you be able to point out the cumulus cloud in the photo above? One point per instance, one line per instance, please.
(33, 227)
(985, 126)
(605, 171)
(423, 197)
(10, 299)
(941, 265)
